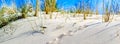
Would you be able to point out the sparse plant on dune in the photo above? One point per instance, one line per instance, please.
(108, 11)
(86, 13)
(50, 6)
(96, 12)
(25, 9)
(114, 10)
(37, 7)
(3, 19)
(7, 15)
(106, 17)
(78, 11)
(47, 6)
(86, 9)
(3, 22)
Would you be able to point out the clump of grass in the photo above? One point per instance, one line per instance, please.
(78, 11)
(24, 11)
(97, 12)
(106, 17)
(7, 15)
(3, 21)
(85, 14)
(50, 6)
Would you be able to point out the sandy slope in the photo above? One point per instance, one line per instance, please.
(99, 34)
(74, 30)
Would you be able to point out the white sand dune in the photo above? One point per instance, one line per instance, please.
(74, 30)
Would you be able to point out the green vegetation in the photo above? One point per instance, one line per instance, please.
(11, 14)
(7, 15)
(50, 6)
(24, 11)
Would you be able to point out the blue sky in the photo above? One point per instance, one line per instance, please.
(63, 4)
